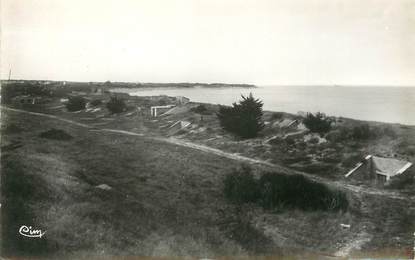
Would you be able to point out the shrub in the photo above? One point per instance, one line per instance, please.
(320, 168)
(388, 131)
(404, 181)
(283, 191)
(11, 129)
(241, 186)
(318, 123)
(75, 103)
(361, 132)
(200, 109)
(96, 102)
(313, 140)
(296, 191)
(365, 132)
(339, 135)
(244, 118)
(277, 116)
(350, 160)
(56, 134)
(116, 105)
(10, 90)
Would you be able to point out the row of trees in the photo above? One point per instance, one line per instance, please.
(114, 105)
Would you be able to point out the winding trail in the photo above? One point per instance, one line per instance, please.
(232, 156)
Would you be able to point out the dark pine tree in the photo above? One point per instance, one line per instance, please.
(243, 118)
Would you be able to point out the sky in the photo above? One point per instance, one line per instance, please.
(263, 42)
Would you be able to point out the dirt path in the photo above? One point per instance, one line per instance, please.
(207, 149)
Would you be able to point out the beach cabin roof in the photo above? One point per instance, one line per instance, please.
(388, 167)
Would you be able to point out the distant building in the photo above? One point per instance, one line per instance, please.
(159, 110)
(380, 170)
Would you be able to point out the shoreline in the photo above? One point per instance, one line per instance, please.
(295, 100)
(126, 91)
(348, 103)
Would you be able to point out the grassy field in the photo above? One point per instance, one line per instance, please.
(165, 200)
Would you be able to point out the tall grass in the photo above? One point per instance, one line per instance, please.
(274, 190)
(19, 190)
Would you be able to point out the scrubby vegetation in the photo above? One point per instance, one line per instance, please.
(96, 102)
(243, 119)
(277, 116)
(75, 103)
(241, 186)
(10, 129)
(318, 123)
(19, 190)
(282, 191)
(200, 109)
(361, 132)
(56, 134)
(116, 105)
(8, 91)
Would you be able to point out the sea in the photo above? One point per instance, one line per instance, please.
(383, 104)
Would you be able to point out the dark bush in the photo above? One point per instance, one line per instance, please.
(162, 102)
(406, 180)
(332, 158)
(318, 123)
(339, 135)
(277, 116)
(388, 131)
(200, 109)
(75, 103)
(313, 140)
(241, 186)
(350, 160)
(96, 102)
(10, 90)
(319, 168)
(361, 132)
(56, 134)
(11, 129)
(283, 191)
(116, 105)
(296, 191)
(365, 132)
(244, 118)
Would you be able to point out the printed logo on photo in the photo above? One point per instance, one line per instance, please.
(30, 232)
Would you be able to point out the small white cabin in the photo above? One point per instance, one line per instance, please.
(159, 110)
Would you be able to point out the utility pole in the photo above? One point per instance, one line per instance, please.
(10, 73)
